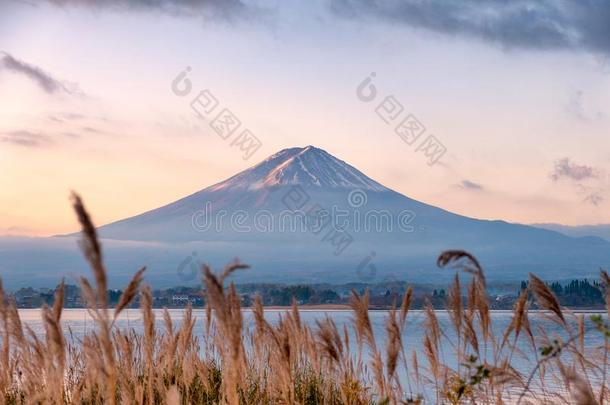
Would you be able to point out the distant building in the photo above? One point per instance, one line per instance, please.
(180, 300)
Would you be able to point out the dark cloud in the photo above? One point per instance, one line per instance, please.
(540, 24)
(226, 9)
(564, 168)
(470, 185)
(46, 82)
(26, 138)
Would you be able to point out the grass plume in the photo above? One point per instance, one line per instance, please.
(289, 361)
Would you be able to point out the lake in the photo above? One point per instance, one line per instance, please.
(77, 322)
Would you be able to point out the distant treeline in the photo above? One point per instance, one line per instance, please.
(576, 293)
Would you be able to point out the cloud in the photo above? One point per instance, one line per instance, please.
(16, 231)
(91, 130)
(26, 138)
(566, 169)
(594, 198)
(543, 24)
(55, 119)
(61, 117)
(43, 79)
(226, 9)
(603, 62)
(31, 139)
(70, 135)
(470, 185)
(579, 175)
(576, 107)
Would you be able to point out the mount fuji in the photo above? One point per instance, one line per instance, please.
(303, 215)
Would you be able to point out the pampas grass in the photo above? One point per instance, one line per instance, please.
(290, 362)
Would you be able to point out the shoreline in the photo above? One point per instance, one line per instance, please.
(344, 308)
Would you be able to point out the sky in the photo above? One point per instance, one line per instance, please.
(518, 94)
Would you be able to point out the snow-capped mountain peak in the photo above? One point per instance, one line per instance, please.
(307, 166)
(250, 214)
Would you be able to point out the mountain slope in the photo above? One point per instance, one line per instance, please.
(600, 230)
(368, 211)
(268, 215)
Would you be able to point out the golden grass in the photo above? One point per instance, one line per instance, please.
(289, 362)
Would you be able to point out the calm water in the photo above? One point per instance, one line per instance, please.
(78, 322)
